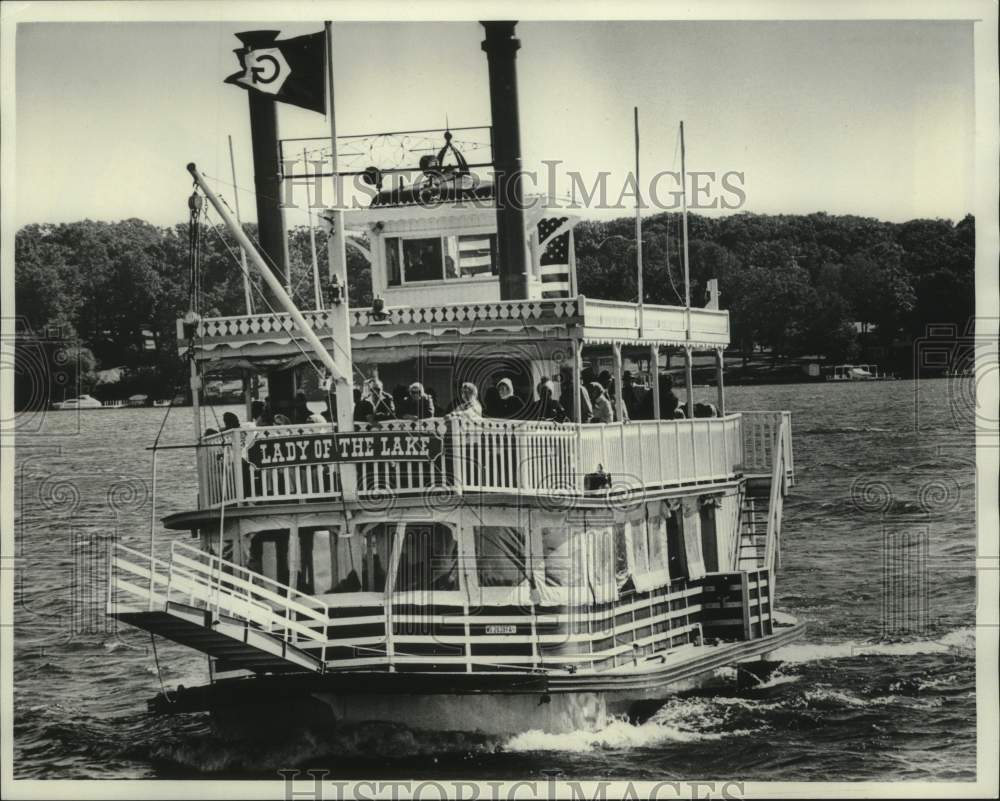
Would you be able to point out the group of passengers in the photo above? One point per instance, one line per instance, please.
(597, 398)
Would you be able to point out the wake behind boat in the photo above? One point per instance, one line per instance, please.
(486, 563)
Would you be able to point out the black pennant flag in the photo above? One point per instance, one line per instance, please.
(289, 70)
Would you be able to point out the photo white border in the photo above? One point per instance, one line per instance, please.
(987, 311)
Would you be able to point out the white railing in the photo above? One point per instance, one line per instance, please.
(504, 456)
(139, 582)
(760, 435)
(652, 453)
(779, 483)
(709, 327)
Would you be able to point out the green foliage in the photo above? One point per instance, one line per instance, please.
(796, 284)
(118, 289)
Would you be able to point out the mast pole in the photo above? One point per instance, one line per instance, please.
(317, 295)
(638, 224)
(272, 281)
(243, 254)
(687, 282)
(339, 313)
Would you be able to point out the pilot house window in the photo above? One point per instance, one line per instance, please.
(439, 258)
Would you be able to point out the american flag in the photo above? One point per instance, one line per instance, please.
(554, 260)
(476, 254)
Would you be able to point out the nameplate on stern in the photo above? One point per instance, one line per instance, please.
(369, 446)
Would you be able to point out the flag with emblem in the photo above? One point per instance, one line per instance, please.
(288, 70)
(554, 237)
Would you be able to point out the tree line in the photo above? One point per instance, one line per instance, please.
(111, 293)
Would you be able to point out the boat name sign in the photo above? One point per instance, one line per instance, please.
(404, 446)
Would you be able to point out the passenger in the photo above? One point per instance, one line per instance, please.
(266, 417)
(209, 432)
(282, 420)
(628, 395)
(467, 404)
(418, 405)
(364, 412)
(606, 381)
(509, 406)
(679, 413)
(383, 406)
(566, 397)
(300, 410)
(256, 410)
(668, 401)
(230, 421)
(546, 408)
(491, 400)
(705, 410)
(399, 395)
(603, 413)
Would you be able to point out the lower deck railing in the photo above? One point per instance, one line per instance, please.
(502, 456)
(392, 633)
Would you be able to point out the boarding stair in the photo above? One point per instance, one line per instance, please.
(237, 616)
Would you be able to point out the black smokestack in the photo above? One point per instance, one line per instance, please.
(266, 170)
(501, 52)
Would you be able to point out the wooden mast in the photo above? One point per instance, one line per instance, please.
(688, 373)
(247, 299)
(339, 313)
(317, 292)
(638, 224)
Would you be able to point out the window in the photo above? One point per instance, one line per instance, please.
(422, 260)
(709, 538)
(429, 560)
(439, 258)
(393, 273)
(558, 560)
(676, 558)
(269, 554)
(501, 556)
(359, 562)
(639, 547)
(654, 528)
(621, 555)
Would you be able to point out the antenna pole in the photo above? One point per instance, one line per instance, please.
(243, 254)
(638, 224)
(317, 295)
(687, 282)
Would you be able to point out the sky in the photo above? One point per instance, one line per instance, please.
(869, 118)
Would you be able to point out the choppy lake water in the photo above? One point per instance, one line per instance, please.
(882, 687)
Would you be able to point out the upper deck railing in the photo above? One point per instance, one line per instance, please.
(579, 317)
(506, 457)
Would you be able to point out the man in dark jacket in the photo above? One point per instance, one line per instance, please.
(546, 408)
(508, 406)
(417, 405)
